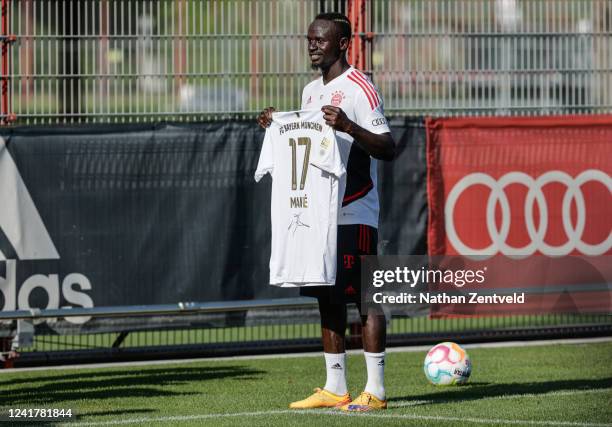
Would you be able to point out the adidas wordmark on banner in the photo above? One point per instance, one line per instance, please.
(301, 154)
(24, 229)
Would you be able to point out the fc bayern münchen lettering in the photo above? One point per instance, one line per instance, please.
(300, 125)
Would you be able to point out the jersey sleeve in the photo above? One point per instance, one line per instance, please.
(266, 157)
(303, 105)
(369, 111)
(326, 156)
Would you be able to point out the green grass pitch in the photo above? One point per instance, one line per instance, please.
(545, 385)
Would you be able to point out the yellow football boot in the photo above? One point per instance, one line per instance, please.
(365, 402)
(321, 399)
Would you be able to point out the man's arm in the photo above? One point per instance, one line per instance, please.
(380, 146)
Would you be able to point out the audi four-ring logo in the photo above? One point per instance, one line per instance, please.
(534, 195)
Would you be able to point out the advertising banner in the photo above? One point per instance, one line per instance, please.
(137, 214)
(521, 188)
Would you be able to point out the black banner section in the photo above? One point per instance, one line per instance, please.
(135, 214)
(403, 191)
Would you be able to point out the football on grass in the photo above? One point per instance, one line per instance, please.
(447, 363)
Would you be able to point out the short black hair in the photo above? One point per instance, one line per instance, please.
(343, 25)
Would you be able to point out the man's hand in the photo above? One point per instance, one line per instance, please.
(380, 146)
(336, 118)
(265, 117)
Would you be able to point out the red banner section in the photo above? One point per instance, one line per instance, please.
(518, 187)
(538, 284)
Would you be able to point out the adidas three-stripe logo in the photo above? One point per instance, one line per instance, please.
(368, 88)
(19, 218)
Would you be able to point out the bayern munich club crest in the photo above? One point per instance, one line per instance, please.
(337, 98)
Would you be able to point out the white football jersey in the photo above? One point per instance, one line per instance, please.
(301, 154)
(360, 100)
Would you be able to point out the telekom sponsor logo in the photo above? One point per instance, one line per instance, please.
(579, 203)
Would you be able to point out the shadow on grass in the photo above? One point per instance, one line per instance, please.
(115, 413)
(476, 391)
(78, 374)
(118, 384)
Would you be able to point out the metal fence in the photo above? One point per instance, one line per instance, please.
(150, 60)
(282, 330)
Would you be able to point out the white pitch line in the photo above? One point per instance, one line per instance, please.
(186, 418)
(438, 418)
(406, 349)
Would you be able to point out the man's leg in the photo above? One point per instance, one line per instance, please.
(374, 330)
(374, 333)
(333, 330)
(333, 326)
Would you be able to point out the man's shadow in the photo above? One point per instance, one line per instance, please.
(52, 389)
(476, 391)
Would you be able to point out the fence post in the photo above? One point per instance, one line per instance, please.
(5, 115)
(356, 14)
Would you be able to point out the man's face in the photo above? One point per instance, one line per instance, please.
(323, 44)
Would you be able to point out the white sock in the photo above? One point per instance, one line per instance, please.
(375, 363)
(335, 364)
